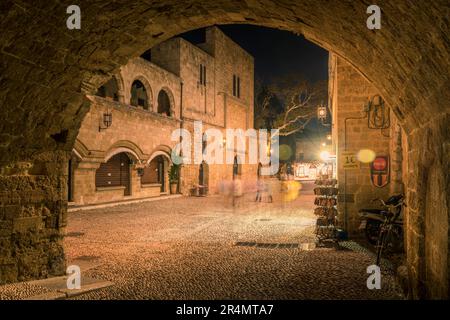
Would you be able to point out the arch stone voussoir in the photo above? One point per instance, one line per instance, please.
(46, 70)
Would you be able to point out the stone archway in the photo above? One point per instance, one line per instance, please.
(46, 71)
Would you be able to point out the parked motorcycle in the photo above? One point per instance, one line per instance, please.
(373, 219)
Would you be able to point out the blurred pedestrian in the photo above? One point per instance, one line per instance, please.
(237, 192)
(268, 190)
(260, 188)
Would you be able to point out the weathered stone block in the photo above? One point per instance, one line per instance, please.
(23, 225)
(12, 211)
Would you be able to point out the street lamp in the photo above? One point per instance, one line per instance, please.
(321, 112)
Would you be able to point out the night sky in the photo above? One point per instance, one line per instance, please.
(276, 52)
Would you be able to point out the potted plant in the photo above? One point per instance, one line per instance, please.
(174, 175)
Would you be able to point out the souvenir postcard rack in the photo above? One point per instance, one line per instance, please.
(326, 212)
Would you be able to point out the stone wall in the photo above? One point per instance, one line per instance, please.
(417, 169)
(351, 134)
(428, 208)
(32, 215)
(217, 173)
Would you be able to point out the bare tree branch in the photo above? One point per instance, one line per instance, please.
(297, 100)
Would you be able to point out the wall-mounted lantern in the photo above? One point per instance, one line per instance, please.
(107, 121)
(321, 112)
(378, 113)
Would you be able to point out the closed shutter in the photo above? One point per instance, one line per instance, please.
(114, 173)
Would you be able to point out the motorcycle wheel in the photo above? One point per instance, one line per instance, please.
(380, 245)
(372, 231)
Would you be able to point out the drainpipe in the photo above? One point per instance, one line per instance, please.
(181, 105)
(345, 171)
(181, 127)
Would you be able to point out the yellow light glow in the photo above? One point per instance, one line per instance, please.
(329, 137)
(366, 155)
(323, 144)
(325, 155)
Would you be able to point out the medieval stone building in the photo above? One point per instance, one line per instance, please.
(124, 146)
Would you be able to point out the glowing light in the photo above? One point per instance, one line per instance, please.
(321, 112)
(366, 155)
(323, 144)
(285, 152)
(329, 137)
(325, 155)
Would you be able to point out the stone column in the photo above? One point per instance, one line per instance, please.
(33, 208)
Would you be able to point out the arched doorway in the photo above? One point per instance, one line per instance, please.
(156, 172)
(203, 178)
(115, 173)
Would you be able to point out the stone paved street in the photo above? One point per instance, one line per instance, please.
(185, 248)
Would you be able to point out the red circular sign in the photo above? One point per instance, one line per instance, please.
(379, 164)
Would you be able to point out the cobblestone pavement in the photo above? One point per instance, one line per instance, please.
(185, 248)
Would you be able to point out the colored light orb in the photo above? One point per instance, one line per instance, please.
(366, 155)
(285, 152)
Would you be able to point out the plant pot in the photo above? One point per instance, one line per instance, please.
(173, 188)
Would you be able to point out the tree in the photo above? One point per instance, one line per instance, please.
(297, 99)
(267, 107)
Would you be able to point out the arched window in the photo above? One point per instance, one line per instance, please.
(163, 103)
(109, 90)
(139, 95)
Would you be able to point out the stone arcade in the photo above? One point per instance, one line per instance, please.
(149, 101)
